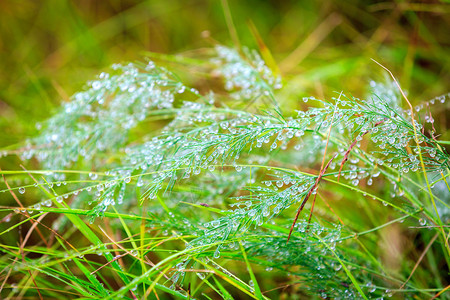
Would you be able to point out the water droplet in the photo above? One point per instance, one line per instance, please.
(22, 190)
(217, 253)
(224, 125)
(422, 222)
(96, 85)
(388, 293)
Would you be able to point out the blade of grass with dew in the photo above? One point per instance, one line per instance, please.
(223, 291)
(256, 288)
(87, 232)
(347, 271)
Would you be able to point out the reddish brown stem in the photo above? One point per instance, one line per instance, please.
(350, 149)
(308, 195)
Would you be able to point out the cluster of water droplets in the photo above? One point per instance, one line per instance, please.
(245, 77)
(310, 256)
(218, 137)
(259, 207)
(99, 118)
(181, 154)
(389, 128)
(387, 91)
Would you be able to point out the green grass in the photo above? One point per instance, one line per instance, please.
(179, 176)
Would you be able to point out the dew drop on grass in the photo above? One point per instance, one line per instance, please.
(96, 85)
(224, 125)
(422, 222)
(217, 253)
(388, 293)
(277, 209)
(22, 190)
(290, 134)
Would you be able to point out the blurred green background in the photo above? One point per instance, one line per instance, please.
(50, 48)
